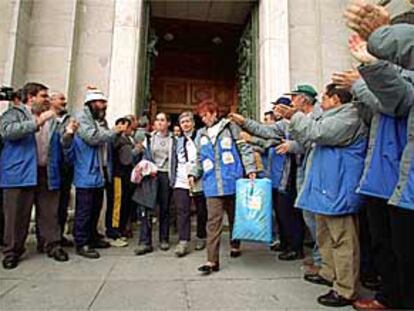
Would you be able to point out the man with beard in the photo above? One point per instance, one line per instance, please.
(92, 171)
(30, 159)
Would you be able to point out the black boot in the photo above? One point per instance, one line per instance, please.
(87, 251)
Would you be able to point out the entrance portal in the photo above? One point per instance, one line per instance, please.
(197, 54)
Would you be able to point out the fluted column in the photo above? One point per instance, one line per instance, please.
(124, 59)
(274, 72)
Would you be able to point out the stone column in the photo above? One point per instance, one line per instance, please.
(124, 60)
(14, 28)
(318, 41)
(14, 31)
(274, 73)
(51, 38)
(91, 49)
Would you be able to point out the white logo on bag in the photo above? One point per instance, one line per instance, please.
(255, 203)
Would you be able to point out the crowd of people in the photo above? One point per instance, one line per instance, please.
(341, 169)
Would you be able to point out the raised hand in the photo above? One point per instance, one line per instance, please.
(45, 116)
(358, 48)
(285, 111)
(237, 118)
(283, 148)
(364, 18)
(72, 127)
(345, 79)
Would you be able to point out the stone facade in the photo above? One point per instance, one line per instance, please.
(69, 44)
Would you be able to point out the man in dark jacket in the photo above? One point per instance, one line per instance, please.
(118, 211)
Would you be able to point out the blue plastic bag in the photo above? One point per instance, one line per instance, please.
(253, 219)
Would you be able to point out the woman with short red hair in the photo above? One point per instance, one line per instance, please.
(221, 161)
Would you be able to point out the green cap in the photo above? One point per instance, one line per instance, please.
(304, 89)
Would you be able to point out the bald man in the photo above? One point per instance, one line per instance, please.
(58, 105)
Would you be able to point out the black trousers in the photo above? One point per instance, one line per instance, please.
(201, 209)
(182, 202)
(64, 198)
(402, 228)
(292, 226)
(385, 261)
(368, 267)
(163, 200)
(88, 208)
(1, 218)
(282, 236)
(118, 207)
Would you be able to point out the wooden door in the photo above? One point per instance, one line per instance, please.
(175, 95)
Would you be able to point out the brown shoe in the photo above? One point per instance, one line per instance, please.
(312, 269)
(368, 304)
(308, 261)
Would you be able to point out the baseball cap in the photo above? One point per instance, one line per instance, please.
(304, 89)
(283, 101)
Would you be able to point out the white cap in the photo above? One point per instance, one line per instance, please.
(94, 94)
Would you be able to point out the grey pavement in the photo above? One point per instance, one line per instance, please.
(119, 280)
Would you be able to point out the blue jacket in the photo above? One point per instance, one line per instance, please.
(330, 189)
(394, 89)
(279, 166)
(334, 166)
(275, 167)
(222, 163)
(383, 161)
(18, 158)
(85, 152)
(387, 138)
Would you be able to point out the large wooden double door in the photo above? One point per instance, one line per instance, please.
(175, 95)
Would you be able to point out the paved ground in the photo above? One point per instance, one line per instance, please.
(120, 281)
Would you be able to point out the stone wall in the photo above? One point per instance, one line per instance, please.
(92, 48)
(73, 43)
(317, 40)
(301, 41)
(14, 40)
(50, 42)
(65, 44)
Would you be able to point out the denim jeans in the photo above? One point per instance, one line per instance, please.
(310, 222)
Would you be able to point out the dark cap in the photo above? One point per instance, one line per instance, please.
(282, 101)
(304, 89)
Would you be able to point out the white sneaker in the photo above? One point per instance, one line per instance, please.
(118, 243)
(182, 249)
